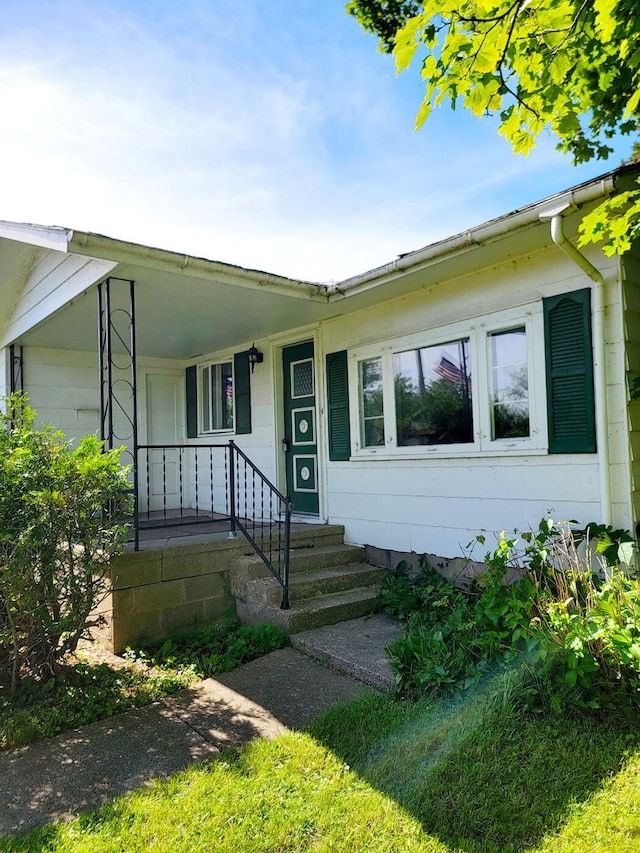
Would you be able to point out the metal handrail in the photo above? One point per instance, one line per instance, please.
(250, 502)
(274, 551)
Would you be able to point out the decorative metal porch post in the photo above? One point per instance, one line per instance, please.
(16, 382)
(117, 366)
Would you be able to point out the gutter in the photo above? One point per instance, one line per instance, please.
(558, 236)
(97, 246)
(481, 235)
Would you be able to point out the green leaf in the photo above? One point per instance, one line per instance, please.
(571, 677)
(407, 41)
(605, 20)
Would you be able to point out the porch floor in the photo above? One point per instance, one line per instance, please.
(183, 532)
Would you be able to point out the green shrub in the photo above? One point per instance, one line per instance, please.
(452, 635)
(217, 648)
(56, 541)
(403, 594)
(587, 630)
(574, 630)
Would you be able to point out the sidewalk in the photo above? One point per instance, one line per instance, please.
(57, 778)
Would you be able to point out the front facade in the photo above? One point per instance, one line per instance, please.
(476, 385)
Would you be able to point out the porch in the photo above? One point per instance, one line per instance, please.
(185, 577)
(213, 488)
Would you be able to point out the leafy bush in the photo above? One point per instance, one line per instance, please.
(402, 594)
(56, 541)
(574, 630)
(587, 631)
(452, 635)
(217, 648)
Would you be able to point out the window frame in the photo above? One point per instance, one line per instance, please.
(204, 396)
(478, 332)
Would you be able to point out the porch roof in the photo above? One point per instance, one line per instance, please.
(184, 305)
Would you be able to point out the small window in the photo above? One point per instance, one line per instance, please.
(217, 397)
(509, 384)
(433, 395)
(371, 405)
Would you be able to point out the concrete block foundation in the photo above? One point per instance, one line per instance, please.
(165, 591)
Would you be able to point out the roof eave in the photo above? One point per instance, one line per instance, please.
(135, 254)
(495, 229)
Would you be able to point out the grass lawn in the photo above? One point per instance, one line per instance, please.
(383, 775)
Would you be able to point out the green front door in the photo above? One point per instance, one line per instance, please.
(301, 427)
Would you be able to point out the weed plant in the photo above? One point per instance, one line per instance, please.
(77, 695)
(218, 648)
(568, 620)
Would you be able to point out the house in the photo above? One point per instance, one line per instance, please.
(473, 385)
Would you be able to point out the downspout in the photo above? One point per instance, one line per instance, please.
(600, 372)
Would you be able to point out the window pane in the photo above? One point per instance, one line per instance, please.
(227, 385)
(204, 396)
(220, 396)
(302, 378)
(371, 405)
(510, 384)
(433, 395)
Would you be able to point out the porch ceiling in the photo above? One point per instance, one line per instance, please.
(186, 307)
(179, 316)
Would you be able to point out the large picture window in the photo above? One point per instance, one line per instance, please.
(459, 389)
(216, 397)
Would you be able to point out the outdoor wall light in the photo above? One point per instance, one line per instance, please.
(255, 356)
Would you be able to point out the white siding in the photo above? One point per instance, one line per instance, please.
(439, 504)
(54, 280)
(63, 388)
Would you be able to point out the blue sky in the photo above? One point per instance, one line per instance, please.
(266, 133)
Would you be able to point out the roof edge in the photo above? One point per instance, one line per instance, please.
(598, 188)
(43, 236)
(125, 252)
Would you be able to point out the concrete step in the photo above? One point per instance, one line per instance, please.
(355, 648)
(325, 582)
(323, 557)
(251, 567)
(318, 611)
(310, 535)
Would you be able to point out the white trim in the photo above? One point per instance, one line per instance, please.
(314, 459)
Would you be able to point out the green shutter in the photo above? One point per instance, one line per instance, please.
(192, 401)
(569, 364)
(338, 406)
(242, 392)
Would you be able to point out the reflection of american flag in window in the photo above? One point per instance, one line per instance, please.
(448, 370)
(229, 387)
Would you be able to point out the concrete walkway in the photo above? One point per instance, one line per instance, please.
(58, 778)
